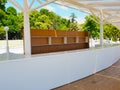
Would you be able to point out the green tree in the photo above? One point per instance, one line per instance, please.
(73, 16)
(11, 11)
(91, 26)
(2, 4)
(73, 27)
(61, 23)
(40, 20)
(2, 16)
(45, 19)
(20, 20)
(44, 11)
(2, 33)
(55, 19)
(2, 11)
(107, 31)
(11, 20)
(111, 32)
(72, 24)
(43, 22)
(57, 22)
(33, 18)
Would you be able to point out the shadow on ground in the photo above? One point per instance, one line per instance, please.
(12, 56)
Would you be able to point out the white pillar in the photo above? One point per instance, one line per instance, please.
(101, 29)
(27, 39)
(7, 46)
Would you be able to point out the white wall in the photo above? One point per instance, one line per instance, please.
(53, 70)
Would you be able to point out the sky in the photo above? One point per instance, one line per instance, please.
(63, 11)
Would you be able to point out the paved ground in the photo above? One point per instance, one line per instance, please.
(108, 79)
(15, 49)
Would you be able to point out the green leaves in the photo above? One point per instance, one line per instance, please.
(44, 19)
(91, 26)
(11, 11)
(72, 16)
(110, 31)
(9, 18)
(2, 33)
(2, 4)
(2, 14)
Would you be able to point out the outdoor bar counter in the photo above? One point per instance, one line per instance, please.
(51, 70)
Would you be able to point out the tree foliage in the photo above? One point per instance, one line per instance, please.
(72, 17)
(111, 32)
(11, 20)
(91, 26)
(2, 32)
(2, 17)
(2, 4)
(45, 19)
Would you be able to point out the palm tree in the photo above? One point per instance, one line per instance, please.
(73, 16)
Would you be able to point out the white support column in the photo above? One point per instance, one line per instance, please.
(6, 28)
(27, 39)
(101, 29)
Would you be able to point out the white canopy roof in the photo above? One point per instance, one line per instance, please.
(110, 8)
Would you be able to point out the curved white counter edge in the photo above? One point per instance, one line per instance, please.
(53, 70)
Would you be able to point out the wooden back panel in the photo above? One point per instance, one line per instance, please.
(44, 41)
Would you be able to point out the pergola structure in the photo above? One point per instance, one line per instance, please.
(106, 10)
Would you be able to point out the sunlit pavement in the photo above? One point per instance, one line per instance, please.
(15, 53)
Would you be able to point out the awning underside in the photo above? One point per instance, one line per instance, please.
(110, 8)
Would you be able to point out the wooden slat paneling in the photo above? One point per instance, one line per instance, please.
(39, 40)
(44, 41)
(82, 39)
(71, 40)
(56, 48)
(57, 40)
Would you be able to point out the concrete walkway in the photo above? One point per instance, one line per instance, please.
(15, 50)
(108, 79)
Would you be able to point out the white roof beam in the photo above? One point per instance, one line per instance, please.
(43, 4)
(73, 2)
(105, 4)
(31, 4)
(73, 7)
(112, 9)
(39, 1)
(16, 4)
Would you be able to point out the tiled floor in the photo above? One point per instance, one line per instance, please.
(108, 79)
